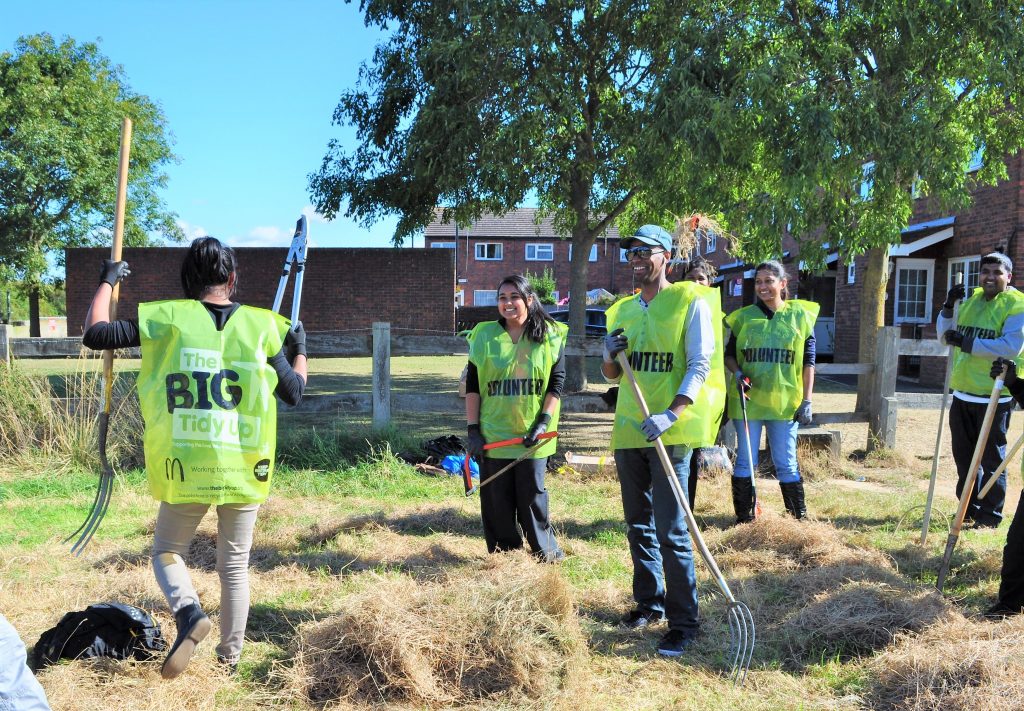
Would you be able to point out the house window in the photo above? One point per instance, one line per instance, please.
(593, 253)
(711, 241)
(914, 290)
(489, 251)
(485, 297)
(970, 270)
(867, 180)
(977, 159)
(540, 252)
(851, 273)
(442, 245)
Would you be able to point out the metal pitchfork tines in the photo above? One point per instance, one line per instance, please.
(742, 633)
(297, 255)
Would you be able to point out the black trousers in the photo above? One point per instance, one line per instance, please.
(965, 420)
(1011, 583)
(516, 497)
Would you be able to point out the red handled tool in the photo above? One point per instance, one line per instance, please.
(467, 475)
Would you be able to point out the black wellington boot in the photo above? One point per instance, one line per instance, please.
(193, 626)
(743, 499)
(793, 497)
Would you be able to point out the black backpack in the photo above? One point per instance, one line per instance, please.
(108, 629)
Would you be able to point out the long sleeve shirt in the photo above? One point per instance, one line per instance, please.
(124, 333)
(1007, 344)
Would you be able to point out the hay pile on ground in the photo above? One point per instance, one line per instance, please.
(820, 594)
(959, 665)
(504, 627)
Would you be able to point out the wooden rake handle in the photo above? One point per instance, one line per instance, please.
(972, 474)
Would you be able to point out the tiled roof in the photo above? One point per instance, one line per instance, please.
(515, 224)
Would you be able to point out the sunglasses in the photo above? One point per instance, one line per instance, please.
(642, 252)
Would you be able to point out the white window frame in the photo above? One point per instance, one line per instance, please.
(537, 248)
(927, 265)
(443, 245)
(712, 241)
(867, 182)
(851, 273)
(485, 297)
(965, 261)
(977, 159)
(593, 253)
(499, 252)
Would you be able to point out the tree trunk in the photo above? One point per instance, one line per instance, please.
(33, 312)
(575, 366)
(872, 317)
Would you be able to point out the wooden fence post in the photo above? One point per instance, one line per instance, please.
(381, 375)
(5, 344)
(882, 418)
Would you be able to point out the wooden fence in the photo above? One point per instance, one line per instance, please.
(381, 344)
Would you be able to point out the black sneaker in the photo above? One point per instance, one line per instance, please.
(193, 626)
(1000, 611)
(230, 667)
(675, 643)
(638, 619)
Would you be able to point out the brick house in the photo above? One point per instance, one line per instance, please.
(935, 246)
(495, 246)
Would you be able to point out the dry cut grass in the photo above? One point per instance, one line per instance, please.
(504, 628)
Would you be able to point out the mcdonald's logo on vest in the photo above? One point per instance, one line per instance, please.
(172, 467)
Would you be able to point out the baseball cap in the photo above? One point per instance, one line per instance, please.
(649, 234)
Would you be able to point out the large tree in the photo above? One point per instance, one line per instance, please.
(480, 106)
(61, 107)
(831, 116)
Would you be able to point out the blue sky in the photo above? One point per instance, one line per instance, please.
(248, 89)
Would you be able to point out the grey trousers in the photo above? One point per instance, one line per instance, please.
(175, 527)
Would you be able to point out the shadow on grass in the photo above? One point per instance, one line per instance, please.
(424, 522)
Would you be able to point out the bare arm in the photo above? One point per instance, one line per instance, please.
(99, 309)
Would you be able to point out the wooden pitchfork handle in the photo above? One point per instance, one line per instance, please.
(470, 490)
(972, 474)
(1001, 468)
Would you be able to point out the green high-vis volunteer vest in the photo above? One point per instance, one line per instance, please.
(207, 398)
(657, 354)
(984, 319)
(771, 353)
(513, 381)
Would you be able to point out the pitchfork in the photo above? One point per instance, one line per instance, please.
(742, 634)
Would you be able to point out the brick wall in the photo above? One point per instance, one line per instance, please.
(344, 288)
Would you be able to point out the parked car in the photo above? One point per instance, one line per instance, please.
(595, 321)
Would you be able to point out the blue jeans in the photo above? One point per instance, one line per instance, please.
(664, 580)
(781, 440)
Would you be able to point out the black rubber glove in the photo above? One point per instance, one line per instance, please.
(953, 338)
(540, 426)
(803, 413)
(295, 342)
(957, 293)
(1011, 370)
(112, 272)
(614, 343)
(742, 382)
(475, 442)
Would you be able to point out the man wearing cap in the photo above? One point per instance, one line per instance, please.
(989, 325)
(666, 334)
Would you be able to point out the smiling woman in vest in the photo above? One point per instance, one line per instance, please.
(513, 389)
(209, 368)
(771, 354)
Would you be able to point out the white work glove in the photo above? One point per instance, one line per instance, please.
(657, 425)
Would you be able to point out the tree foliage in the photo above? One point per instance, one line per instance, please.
(61, 107)
(480, 106)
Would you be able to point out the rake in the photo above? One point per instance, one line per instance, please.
(101, 502)
(742, 633)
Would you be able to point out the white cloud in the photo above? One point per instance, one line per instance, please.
(191, 231)
(313, 216)
(264, 236)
